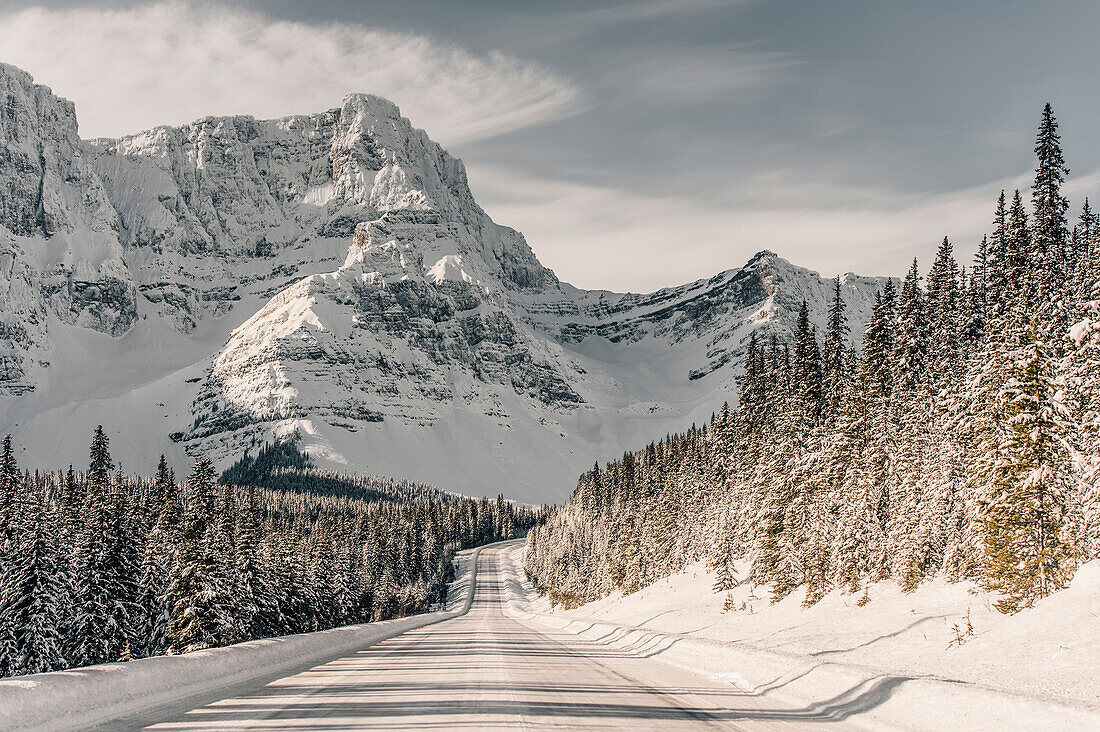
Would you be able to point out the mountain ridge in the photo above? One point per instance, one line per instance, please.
(331, 276)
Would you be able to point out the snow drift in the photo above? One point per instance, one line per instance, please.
(885, 665)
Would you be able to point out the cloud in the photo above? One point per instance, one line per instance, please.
(646, 10)
(700, 74)
(170, 63)
(568, 26)
(607, 238)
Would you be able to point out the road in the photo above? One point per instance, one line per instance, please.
(483, 670)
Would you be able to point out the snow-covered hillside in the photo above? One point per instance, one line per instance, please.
(201, 288)
(942, 657)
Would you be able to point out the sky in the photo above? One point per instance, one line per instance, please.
(636, 144)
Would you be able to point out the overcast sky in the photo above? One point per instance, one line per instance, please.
(636, 144)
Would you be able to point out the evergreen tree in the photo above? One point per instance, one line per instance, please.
(1023, 509)
(196, 599)
(9, 488)
(94, 637)
(1081, 247)
(255, 607)
(807, 371)
(835, 351)
(157, 560)
(998, 269)
(120, 572)
(911, 347)
(1082, 367)
(944, 308)
(1020, 260)
(1048, 203)
(33, 591)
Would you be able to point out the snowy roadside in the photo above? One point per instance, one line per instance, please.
(884, 664)
(94, 695)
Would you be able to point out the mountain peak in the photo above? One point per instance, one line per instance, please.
(769, 258)
(8, 70)
(374, 105)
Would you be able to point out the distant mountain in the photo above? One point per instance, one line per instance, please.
(201, 289)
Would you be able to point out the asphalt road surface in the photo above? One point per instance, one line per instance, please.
(484, 670)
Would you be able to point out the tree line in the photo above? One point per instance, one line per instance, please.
(99, 566)
(962, 439)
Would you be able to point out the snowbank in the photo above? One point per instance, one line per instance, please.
(885, 664)
(94, 695)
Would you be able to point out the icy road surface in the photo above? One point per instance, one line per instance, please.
(485, 670)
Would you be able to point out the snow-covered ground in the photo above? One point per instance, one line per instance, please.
(1035, 669)
(93, 695)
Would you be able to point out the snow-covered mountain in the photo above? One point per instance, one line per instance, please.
(197, 289)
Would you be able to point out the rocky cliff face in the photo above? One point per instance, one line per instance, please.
(212, 285)
(252, 200)
(59, 249)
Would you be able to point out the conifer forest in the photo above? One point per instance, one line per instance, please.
(99, 566)
(606, 364)
(962, 439)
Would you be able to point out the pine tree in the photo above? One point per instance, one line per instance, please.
(835, 351)
(157, 559)
(9, 489)
(911, 347)
(1048, 203)
(1020, 260)
(101, 465)
(94, 590)
(723, 556)
(1081, 239)
(199, 617)
(1089, 242)
(944, 308)
(978, 309)
(998, 270)
(1023, 509)
(120, 572)
(806, 376)
(33, 590)
(255, 606)
(980, 276)
(1082, 369)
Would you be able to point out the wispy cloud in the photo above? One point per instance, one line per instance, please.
(608, 238)
(568, 26)
(632, 10)
(132, 68)
(701, 73)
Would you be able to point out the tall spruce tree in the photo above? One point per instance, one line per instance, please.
(196, 599)
(1020, 261)
(157, 560)
(93, 637)
(9, 491)
(944, 308)
(1048, 204)
(1023, 508)
(835, 352)
(33, 588)
(998, 269)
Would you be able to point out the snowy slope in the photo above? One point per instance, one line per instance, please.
(1031, 670)
(200, 288)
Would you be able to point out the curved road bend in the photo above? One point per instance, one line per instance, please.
(486, 670)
